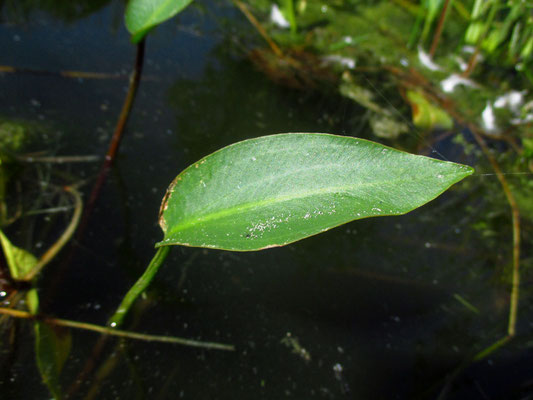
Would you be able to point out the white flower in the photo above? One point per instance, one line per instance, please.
(277, 17)
(426, 60)
(448, 85)
(489, 120)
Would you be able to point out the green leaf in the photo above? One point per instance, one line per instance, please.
(19, 261)
(426, 115)
(143, 15)
(288, 11)
(278, 189)
(52, 347)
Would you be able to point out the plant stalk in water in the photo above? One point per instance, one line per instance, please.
(65, 237)
(139, 286)
(113, 332)
(117, 134)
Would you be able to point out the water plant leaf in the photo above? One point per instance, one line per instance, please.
(19, 261)
(274, 190)
(52, 347)
(143, 15)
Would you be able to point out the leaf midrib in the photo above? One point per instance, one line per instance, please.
(257, 204)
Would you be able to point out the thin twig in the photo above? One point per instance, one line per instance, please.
(438, 31)
(65, 74)
(115, 332)
(56, 159)
(250, 17)
(72, 74)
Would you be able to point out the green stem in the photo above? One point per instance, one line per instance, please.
(65, 236)
(492, 348)
(140, 286)
(414, 31)
(288, 6)
(115, 332)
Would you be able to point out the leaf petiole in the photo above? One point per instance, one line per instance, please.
(140, 286)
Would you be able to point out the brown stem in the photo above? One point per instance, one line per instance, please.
(472, 62)
(56, 159)
(275, 48)
(438, 31)
(128, 102)
(117, 134)
(65, 74)
(109, 158)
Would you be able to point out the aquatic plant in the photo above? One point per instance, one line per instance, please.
(275, 190)
(270, 191)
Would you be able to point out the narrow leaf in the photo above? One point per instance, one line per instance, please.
(52, 347)
(19, 261)
(278, 189)
(143, 15)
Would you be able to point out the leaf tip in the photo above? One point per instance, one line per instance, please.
(468, 170)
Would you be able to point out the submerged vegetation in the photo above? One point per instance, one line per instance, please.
(450, 79)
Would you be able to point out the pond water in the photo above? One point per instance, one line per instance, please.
(374, 309)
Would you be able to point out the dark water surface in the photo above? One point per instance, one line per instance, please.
(373, 303)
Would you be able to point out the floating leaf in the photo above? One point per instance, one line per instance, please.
(143, 15)
(19, 261)
(278, 189)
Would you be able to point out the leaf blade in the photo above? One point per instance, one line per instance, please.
(19, 261)
(143, 15)
(275, 190)
(52, 348)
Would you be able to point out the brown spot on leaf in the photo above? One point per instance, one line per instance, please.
(164, 204)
